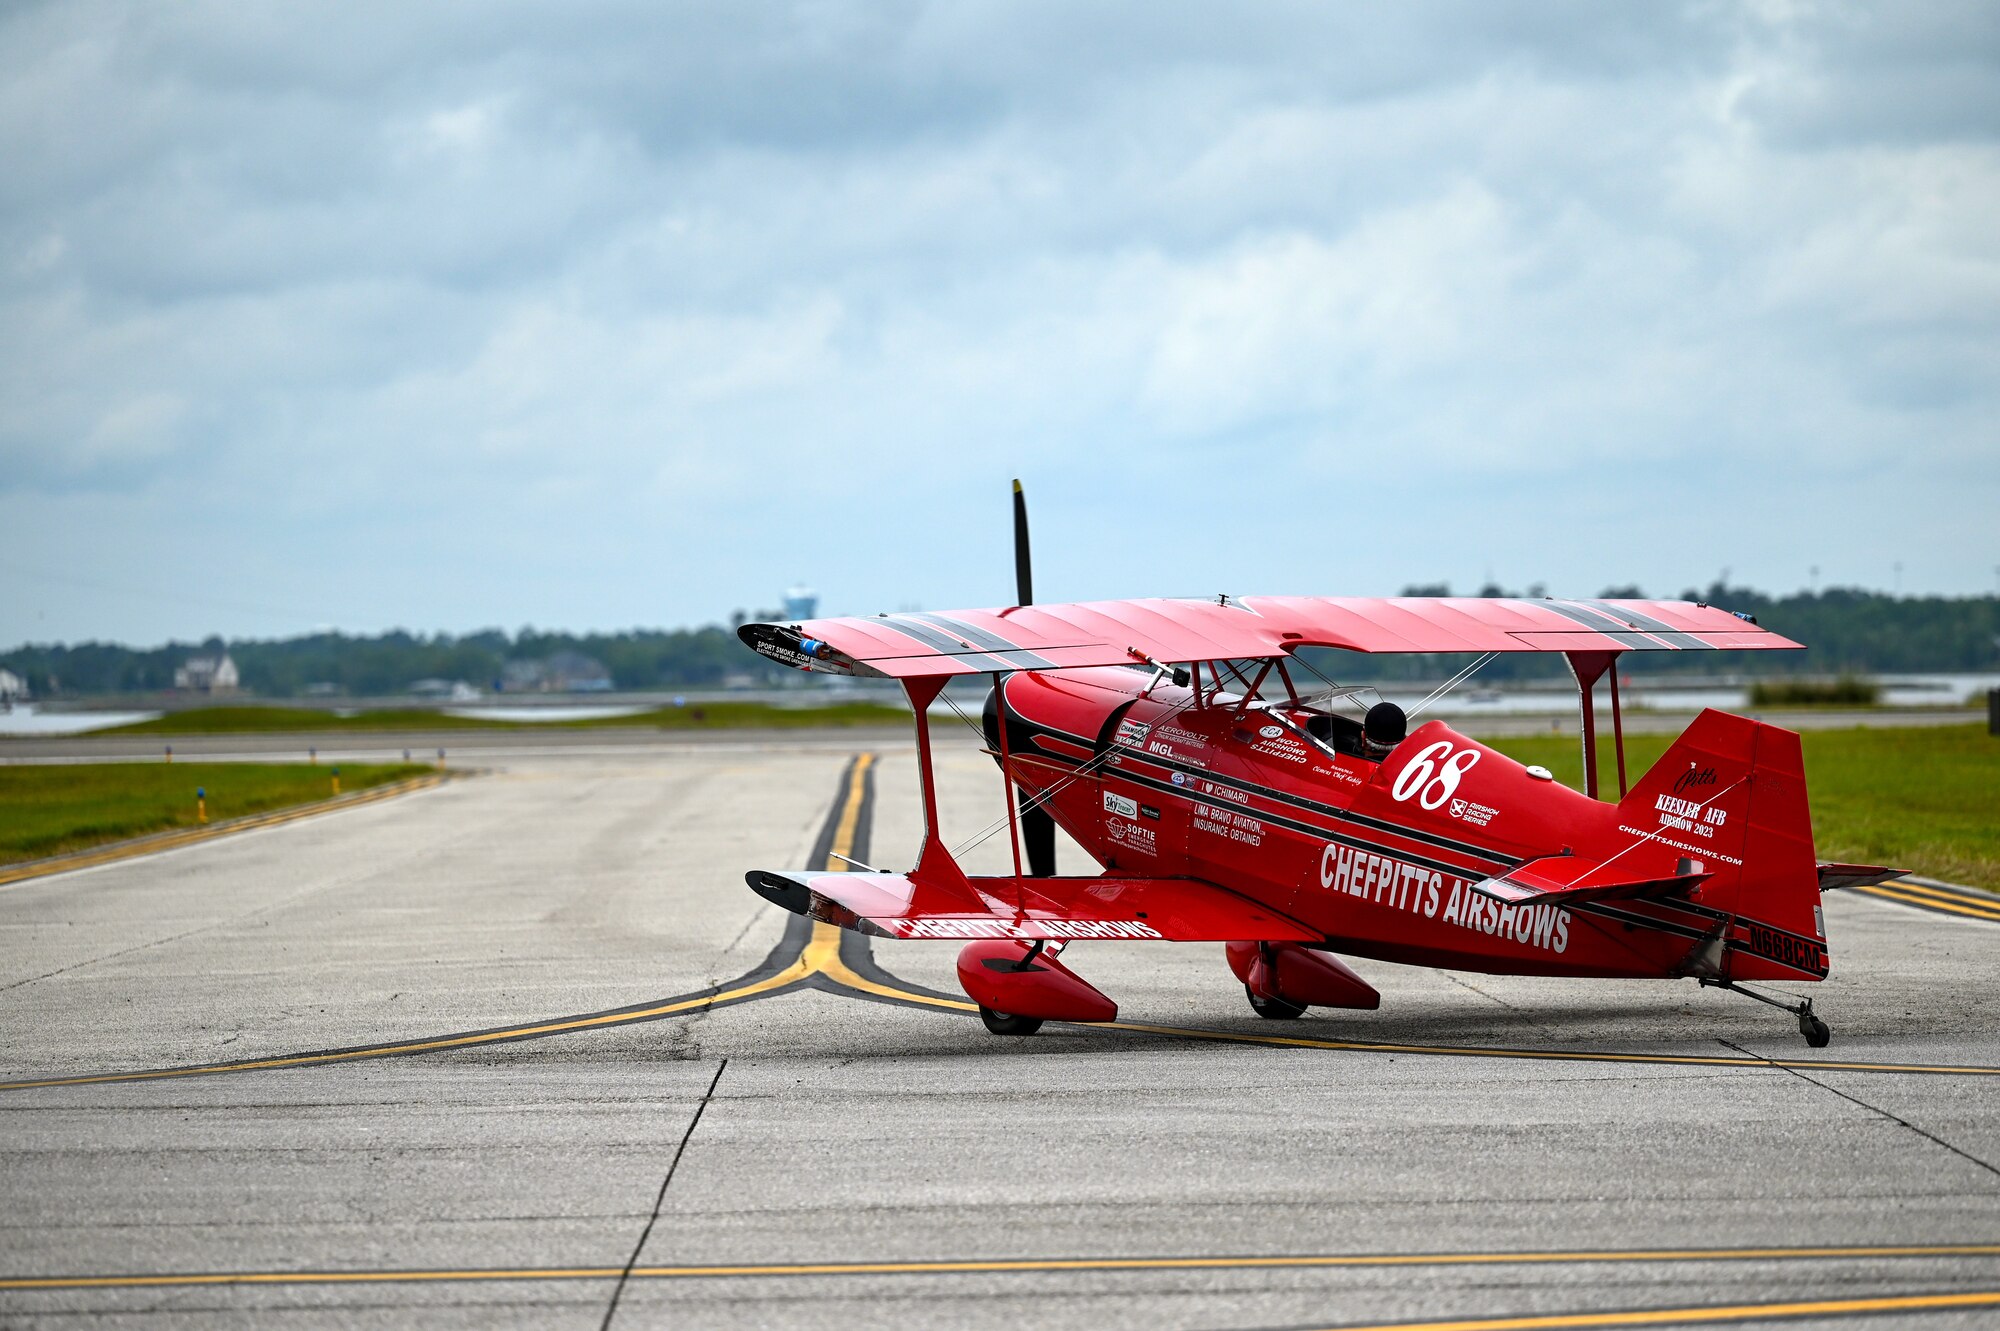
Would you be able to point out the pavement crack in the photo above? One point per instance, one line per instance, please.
(1522, 1013)
(660, 1200)
(1986, 1165)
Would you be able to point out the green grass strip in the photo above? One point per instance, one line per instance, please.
(1921, 798)
(49, 809)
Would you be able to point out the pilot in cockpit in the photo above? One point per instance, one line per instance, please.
(1382, 730)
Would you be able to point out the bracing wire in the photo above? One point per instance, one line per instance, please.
(1451, 684)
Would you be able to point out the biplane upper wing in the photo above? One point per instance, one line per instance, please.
(1104, 633)
(895, 905)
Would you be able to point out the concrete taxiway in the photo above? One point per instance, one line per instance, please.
(521, 1049)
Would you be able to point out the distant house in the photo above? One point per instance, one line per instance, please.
(454, 690)
(12, 686)
(565, 672)
(208, 674)
(573, 672)
(522, 676)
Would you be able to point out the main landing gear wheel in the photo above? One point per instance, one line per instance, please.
(1273, 1009)
(1817, 1032)
(1006, 1023)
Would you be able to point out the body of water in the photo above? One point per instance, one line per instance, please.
(27, 719)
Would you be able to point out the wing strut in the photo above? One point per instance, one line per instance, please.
(1589, 667)
(934, 861)
(1006, 765)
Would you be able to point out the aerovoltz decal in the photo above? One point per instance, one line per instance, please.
(1388, 881)
(988, 928)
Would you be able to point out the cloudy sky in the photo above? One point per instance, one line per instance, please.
(599, 315)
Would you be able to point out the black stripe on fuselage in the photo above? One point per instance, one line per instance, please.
(1623, 916)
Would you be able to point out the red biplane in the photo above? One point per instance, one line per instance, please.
(1226, 800)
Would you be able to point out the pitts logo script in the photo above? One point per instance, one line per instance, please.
(1694, 777)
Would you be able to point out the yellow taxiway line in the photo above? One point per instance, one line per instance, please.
(153, 845)
(821, 956)
(1702, 1316)
(1980, 907)
(1024, 1266)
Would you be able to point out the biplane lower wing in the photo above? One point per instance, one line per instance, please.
(895, 905)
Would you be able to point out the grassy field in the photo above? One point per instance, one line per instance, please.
(46, 810)
(695, 716)
(1926, 799)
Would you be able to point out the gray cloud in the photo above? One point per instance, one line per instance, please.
(635, 313)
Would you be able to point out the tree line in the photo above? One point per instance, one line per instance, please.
(1846, 630)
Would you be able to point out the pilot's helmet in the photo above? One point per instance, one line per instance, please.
(1384, 727)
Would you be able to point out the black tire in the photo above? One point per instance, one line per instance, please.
(1273, 1009)
(1005, 1023)
(1818, 1034)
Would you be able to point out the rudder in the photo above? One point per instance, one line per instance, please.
(1730, 794)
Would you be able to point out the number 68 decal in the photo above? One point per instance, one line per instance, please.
(1434, 774)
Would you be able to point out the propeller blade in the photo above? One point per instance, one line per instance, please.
(1038, 829)
(1024, 582)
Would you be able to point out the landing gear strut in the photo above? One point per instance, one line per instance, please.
(1817, 1033)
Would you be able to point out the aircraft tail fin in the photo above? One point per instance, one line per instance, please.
(1730, 796)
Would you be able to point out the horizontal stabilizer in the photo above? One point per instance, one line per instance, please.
(1573, 879)
(895, 905)
(1833, 876)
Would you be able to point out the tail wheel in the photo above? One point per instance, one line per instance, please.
(1006, 1023)
(1270, 1009)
